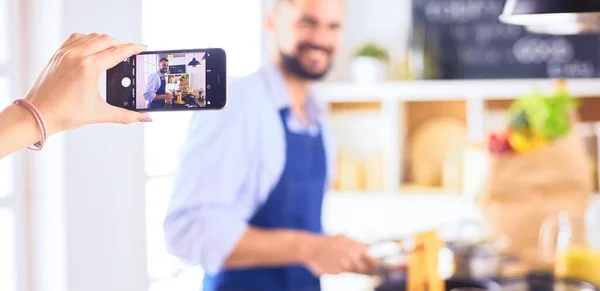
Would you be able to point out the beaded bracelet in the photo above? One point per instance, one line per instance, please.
(40, 121)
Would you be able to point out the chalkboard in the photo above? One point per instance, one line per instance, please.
(178, 69)
(470, 42)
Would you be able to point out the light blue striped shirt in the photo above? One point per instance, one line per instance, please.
(232, 160)
(152, 85)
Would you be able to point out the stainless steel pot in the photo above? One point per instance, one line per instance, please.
(479, 261)
(461, 260)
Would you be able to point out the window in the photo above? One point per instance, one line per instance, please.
(7, 247)
(8, 270)
(4, 43)
(6, 164)
(150, 63)
(214, 24)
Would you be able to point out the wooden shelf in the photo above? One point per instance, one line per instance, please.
(417, 194)
(430, 193)
(434, 90)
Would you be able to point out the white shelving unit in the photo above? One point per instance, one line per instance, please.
(395, 210)
(393, 215)
(392, 96)
(433, 90)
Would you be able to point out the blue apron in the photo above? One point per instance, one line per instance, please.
(295, 203)
(161, 90)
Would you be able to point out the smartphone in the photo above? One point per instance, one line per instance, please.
(175, 80)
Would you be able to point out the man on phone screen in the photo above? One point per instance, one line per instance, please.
(248, 195)
(156, 86)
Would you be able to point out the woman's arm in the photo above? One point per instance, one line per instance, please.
(66, 93)
(18, 129)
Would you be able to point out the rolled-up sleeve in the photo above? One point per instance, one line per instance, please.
(204, 221)
(152, 85)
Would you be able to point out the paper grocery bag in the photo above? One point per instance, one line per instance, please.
(525, 189)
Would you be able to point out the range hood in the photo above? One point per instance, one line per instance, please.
(554, 16)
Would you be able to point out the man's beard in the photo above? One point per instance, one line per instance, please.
(164, 71)
(293, 65)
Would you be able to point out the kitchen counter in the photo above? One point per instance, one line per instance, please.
(349, 282)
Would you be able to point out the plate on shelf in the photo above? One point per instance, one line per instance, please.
(429, 147)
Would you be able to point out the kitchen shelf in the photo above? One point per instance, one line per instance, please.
(397, 107)
(378, 216)
(437, 90)
(433, 193)
(378, 119)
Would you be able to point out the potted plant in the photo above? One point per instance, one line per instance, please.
(369, 63)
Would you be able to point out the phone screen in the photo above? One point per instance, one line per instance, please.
(169, 81)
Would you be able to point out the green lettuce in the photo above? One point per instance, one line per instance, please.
(548, 115)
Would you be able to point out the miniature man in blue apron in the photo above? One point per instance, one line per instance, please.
(247, 200)
(156, 86)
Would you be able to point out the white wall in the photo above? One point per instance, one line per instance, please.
(177, 61)
(88, 200)
(198, 73)
(105, 174)
(44, 172)
(383, 21)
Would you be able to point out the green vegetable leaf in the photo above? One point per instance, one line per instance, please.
(519, 122)
(547, 115)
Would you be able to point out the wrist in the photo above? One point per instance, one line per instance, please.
(18, 129)
(305, 244)
(53, 126)
(23, 117)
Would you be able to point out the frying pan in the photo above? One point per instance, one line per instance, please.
(451, 284)
(532, 282)
(545, 282)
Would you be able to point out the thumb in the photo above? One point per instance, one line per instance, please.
(123, 116)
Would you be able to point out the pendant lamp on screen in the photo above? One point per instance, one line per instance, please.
(554, 16)
(194, 62)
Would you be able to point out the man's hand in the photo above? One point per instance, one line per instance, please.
(167, 96)
(339, 254)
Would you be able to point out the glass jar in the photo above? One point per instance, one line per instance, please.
(565, 242)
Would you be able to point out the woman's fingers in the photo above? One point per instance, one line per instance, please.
(77, 42)
(103, 51)
(71, 39)
(123, 116)
(111, 57)
(95, 45)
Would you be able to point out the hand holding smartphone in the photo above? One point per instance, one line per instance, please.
(178, 80)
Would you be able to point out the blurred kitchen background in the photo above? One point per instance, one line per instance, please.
(413, 94)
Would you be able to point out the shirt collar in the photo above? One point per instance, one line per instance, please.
(316, 108)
